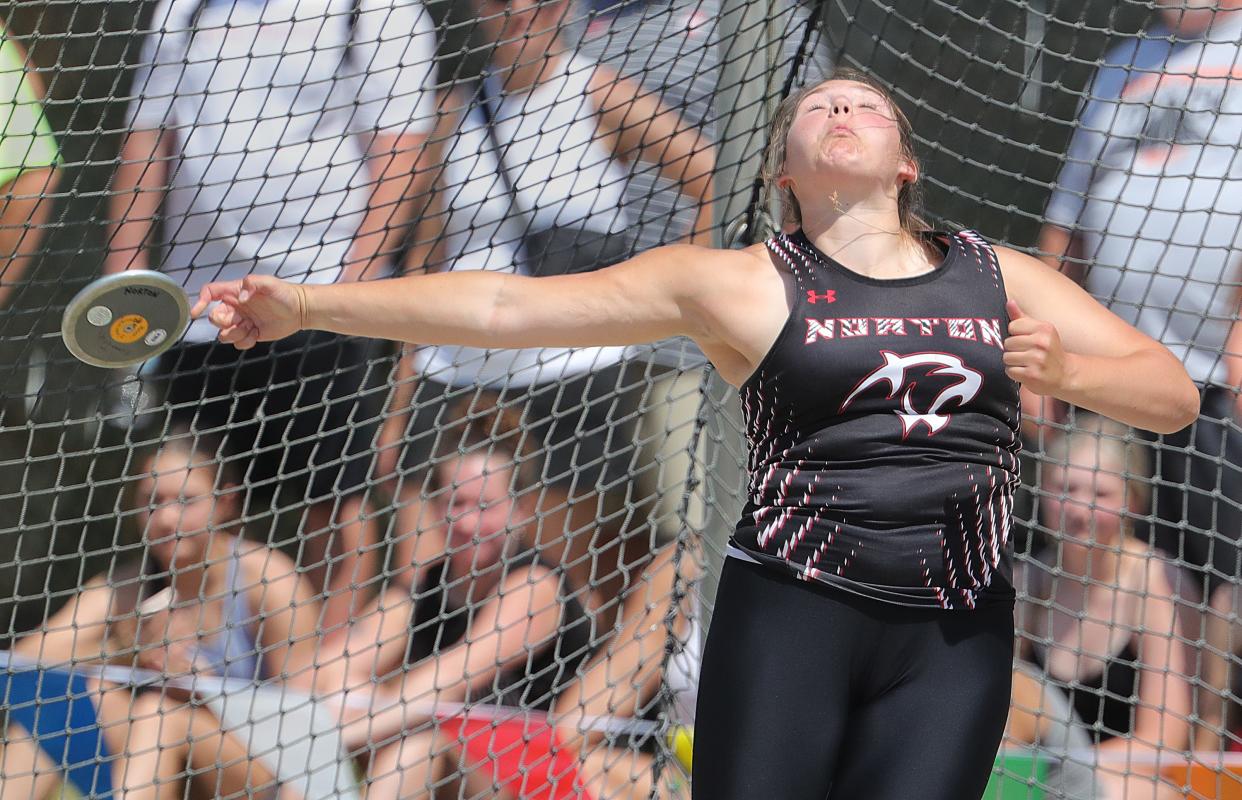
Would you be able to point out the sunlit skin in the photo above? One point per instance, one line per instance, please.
(849, 130)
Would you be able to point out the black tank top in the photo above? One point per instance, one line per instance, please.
(438, 623)
(1106, 702)
(883, 430)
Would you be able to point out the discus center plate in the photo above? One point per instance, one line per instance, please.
(125, 319)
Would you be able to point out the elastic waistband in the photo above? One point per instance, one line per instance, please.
(736, 552)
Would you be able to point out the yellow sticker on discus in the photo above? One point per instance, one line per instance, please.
(129, 328)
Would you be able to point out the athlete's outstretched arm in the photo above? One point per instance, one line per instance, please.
(649, 297)
(1064, 344)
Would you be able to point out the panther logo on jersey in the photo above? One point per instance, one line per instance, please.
(894, 373)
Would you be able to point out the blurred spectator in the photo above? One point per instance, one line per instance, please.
(672, 48)
(201, 602)
(153, 746)
(488, 622)
(1042, 723)
(280, 137)
(1149, 206)
(1099, 618)
(624, 678)
(538, 149)
(28, 160)
(244, 609)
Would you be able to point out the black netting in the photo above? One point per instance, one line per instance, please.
(333, 566)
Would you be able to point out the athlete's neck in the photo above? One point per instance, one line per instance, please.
(865, 236)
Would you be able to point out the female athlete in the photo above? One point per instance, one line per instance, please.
(862, 639)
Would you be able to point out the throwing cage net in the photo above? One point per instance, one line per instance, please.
(331, 567)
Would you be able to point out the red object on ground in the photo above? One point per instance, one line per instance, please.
(524, 755)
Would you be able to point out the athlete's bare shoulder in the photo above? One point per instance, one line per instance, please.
(688, 270)
(749, 264)
(741, 299)
(709, 276)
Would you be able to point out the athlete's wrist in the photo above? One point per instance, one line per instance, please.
(303, 303)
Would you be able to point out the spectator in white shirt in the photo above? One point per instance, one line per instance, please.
(282, 138)
(553, 156)
(1147, 213)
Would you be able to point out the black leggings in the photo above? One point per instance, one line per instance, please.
(809, 693)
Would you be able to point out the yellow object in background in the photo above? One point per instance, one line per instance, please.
(681, 742)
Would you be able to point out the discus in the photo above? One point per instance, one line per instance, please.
(125, 319)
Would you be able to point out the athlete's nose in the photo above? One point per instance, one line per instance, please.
(840, 106)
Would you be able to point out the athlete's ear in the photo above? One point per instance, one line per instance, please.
(908, 172)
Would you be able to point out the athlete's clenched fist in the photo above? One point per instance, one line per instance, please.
(258, 308)
(1034, 356)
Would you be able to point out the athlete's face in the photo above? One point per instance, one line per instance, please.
(179, 509)
(845, 132)
(1085, 499)
(477, 509)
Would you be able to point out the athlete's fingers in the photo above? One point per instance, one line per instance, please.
(1025, 331)
(1019, 375)
(1026, 358)
(255, 286)
(1015, 344)
(1031, 383)
(252, 335)
(250, 287)
(213, 292)
(224, 316)
(1030, 341)
(242, 336)
(230, 334)
(1028, 325)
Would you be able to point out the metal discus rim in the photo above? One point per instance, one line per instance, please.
(88, 298)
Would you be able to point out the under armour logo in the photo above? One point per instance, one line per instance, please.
(829, 296)
(893, 372)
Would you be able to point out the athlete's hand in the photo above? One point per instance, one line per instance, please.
(258, 308)
(1034, 356)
